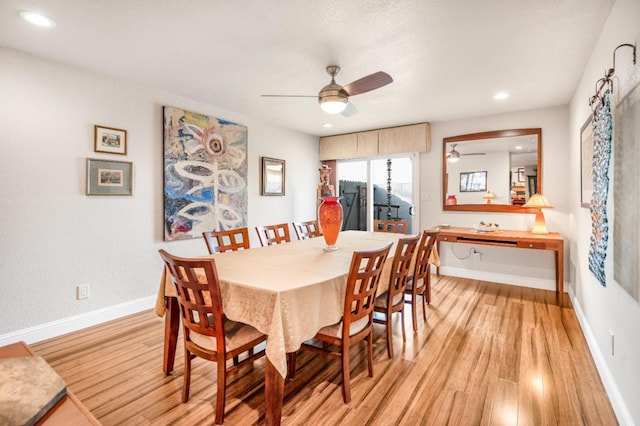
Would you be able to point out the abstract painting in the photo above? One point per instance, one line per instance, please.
(205, 174)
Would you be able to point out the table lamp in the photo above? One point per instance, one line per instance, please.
(538, 202)
(489, 196)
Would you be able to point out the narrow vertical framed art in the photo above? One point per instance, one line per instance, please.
(586, 167)
(273, 176)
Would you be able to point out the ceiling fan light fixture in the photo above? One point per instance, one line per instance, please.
(333, 106)
(331, 100)
(453, 155)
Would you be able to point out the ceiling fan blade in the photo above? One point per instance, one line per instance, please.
(368, 83)
(349, 110)
(289, 96)
(474, 153)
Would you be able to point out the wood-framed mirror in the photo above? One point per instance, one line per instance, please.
(505, 165)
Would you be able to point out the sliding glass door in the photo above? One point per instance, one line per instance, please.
(377, 188)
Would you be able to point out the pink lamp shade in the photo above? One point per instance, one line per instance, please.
(538, 202)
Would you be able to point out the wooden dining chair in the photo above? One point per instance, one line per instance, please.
(229, 240)
(419, 283)
(307, 229)
(207, 333)
(357, 319)
(273, 234)
(397, 226)
(392, 300)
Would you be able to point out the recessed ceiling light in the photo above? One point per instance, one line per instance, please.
(500, 96)
(327, 125)
(37, 19)
(519, 147)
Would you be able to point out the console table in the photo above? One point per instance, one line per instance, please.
(508, 238)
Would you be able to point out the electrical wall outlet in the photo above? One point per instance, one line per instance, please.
(82, 292)
(476, 255)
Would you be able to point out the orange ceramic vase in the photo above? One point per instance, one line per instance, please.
(330, 221)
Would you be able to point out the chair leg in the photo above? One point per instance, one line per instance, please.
(222, 390)
(404, 335)
(346, 375)
(370, 352)
(427, 290)
(291, 365)
(389, 336)
(187, 376)
(424, 305)
(414, 314)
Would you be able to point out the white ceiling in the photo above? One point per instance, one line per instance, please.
(447, 57)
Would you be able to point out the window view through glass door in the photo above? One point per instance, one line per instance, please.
(375, 189)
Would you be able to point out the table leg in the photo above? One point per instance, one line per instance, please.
(171, 324)
(273, 394)
(560, 274)
(438, 265)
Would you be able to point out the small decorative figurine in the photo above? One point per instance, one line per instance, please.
(324, 188)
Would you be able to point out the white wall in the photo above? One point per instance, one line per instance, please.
(534, 268)
(54, 237)
(605, 309)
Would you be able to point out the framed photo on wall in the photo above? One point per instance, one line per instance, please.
(586, 168)
(110, 140)
(273, 176)
(106, 177)
(520, 174)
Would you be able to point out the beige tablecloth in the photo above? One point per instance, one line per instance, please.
(288, 291)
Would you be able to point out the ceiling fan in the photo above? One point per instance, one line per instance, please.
(334, 99)
(454, 155)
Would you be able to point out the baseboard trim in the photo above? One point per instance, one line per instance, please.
(522, 281)
(77, 322)
(617, 402)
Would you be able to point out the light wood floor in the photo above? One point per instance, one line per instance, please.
(489, 354)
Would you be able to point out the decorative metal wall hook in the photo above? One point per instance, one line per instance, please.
(633, 46)
(606, 82)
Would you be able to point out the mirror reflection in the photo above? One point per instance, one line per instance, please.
(491, 171)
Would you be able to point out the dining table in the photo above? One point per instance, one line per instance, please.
(287, 291)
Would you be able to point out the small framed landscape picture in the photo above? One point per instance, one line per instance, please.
(110, 140)
(106, 177)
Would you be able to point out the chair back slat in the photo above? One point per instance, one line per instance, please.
(402, 259)
(425, 247)
(397, 226)
(198, 294)
(362, 284)
(273, 234)
(228, 240)
(309, 229)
